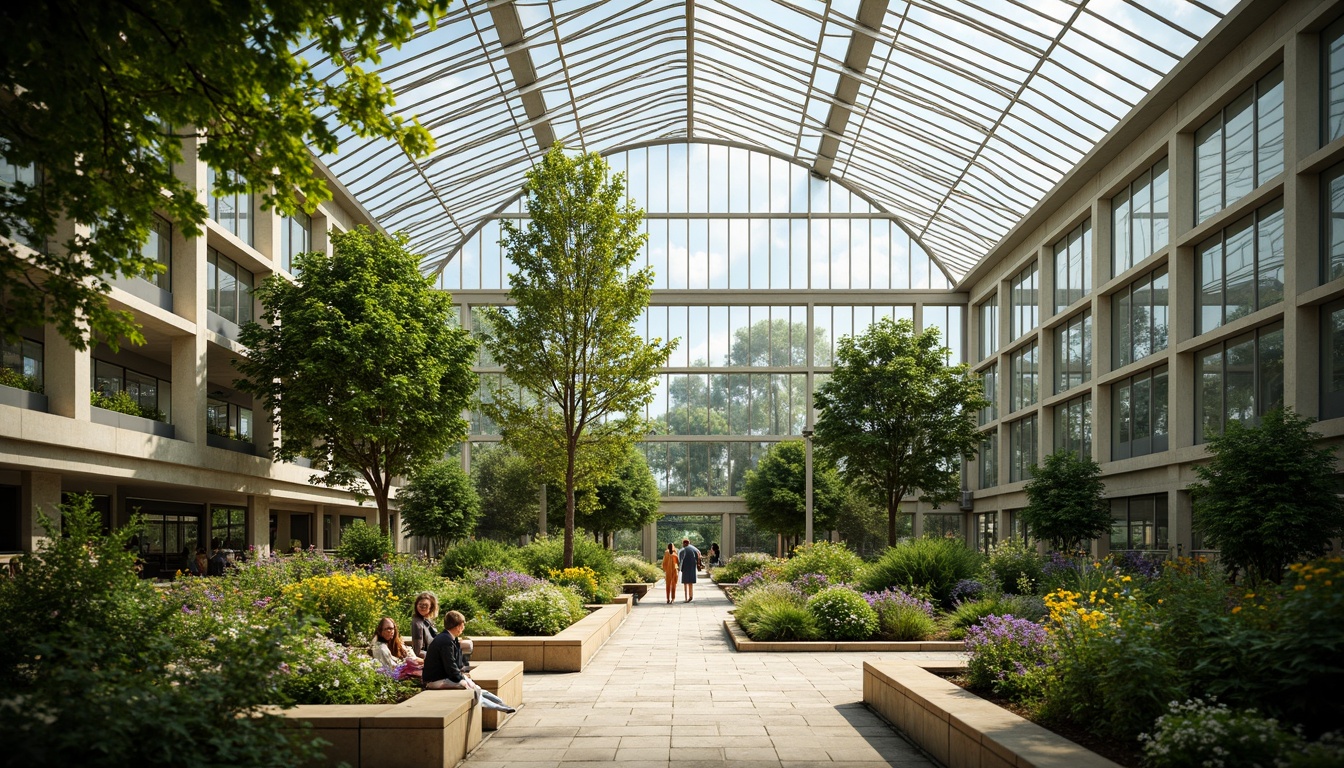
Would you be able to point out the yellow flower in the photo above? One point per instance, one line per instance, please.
(1250, 595)
(1300, 587)
(1237, 609)
(1127, 579)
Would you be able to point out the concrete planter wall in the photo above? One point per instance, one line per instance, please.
(229, 444)
(568, 651)
(960, 729)
(22, 398)
(127, 421)
(429, 730)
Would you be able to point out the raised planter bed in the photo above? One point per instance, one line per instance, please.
(745, 644)
(429, 730)
(960, 729)
(568, 651)
(636, 589)
(505, 680)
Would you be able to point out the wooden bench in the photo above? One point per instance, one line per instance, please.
(429, 730)
(505, 680)
(638, 589)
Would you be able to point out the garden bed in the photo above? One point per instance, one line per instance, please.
(745, 644)
(959, 728)
(568, 651)
(429, 730)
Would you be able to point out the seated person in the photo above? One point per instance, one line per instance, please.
(391, 653)
(445, 668)
(422, 625)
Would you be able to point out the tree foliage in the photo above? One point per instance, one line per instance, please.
(628, 500)
(896, 417)
(359, 362)
(440, 503)
(1066, 503)
(776, 491)
(97, 97)
(510, 491)
(569, 341)
(1267, 497)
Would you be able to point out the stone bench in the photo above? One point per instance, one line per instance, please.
(635, 589)
(505, 680)
(430, 729)
(567, 651)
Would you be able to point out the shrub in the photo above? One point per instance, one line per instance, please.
(349, 604)
(810, 583)
(834, 561)
(781, 619)
(1015, 568)
(484, 625)
(900, 615)
(478, 555)
(1003, 651)
(493, 586)
(584, 581)
(463, 598)
(1200, 733)
(934, 563)
(318, 670)
(12, 378)
(843, 614)
(408, 576)
(542, 610)
(740, 565)
(542, 556)
(635, 571)
(122, 402)
(969, 613)
(967, 589)
(96, 664)
(364, 544)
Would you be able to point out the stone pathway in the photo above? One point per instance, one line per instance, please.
(668, 691)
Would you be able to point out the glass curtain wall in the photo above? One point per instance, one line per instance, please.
(759, 270)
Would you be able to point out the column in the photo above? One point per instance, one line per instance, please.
(69, 378)
(39, 491)
(729, 543)
(259, 524)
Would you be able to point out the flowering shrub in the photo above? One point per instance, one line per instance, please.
(740, 565)
(350, 604)
(756, 576)
(966, 590)
(477, 555)
(900, 615)
(810, 583)
(779, 619)
(1003, 652)
(1015, 568)
(320, 671)
(834, 561)
(493, 586)
(583, 580)
(1144, 564)
(634, 570)
(936, 564)
(541, 610)
(763, 594)
(1197, 733)
(843, 614)
(408, 576)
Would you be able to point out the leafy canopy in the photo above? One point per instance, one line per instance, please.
(569, 342)
(1066, 502)
(510, 493)
(440, 503)
(896, 417)
(776, 491)
(1266, 498)
(628, 500)
(360, 363)
(98, 97)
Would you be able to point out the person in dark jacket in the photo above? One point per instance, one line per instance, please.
(218, 561)
(445, 668)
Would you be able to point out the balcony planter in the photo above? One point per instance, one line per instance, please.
(229, 444)
(136, 423)
(22, 398)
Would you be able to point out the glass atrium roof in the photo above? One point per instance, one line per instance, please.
(956, 116)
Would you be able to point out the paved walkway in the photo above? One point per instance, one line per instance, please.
(668, 691)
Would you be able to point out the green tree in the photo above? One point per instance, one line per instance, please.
(98, 97)
(364, 544)
(628, 500)
(1066, 502)
(897, 417)
(569, 341)
(510, 492)
(1267, 496)
(359, 362)
(776, 491)
(441, 504)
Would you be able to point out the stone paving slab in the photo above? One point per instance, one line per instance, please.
(669, 691)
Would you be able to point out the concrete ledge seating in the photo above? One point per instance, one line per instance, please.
(568, 651)
(960, 729)
(745, 644)
(505, 680)
(430, 729)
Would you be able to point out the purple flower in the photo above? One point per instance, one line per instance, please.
(893, 598)
(810, 583)
(967, 589)
(1145, 564)
(751, 578)
(996, 630)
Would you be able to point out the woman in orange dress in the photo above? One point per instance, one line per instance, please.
(671, 569)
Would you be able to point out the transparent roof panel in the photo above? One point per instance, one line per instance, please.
(955, 116)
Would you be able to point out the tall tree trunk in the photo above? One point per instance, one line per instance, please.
(569, 506)
(380, 496)
(893, 509)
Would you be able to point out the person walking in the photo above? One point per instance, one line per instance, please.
(689, 559)
(671, 570)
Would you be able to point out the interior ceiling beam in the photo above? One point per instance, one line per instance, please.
(509, 26)
(860, 51)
